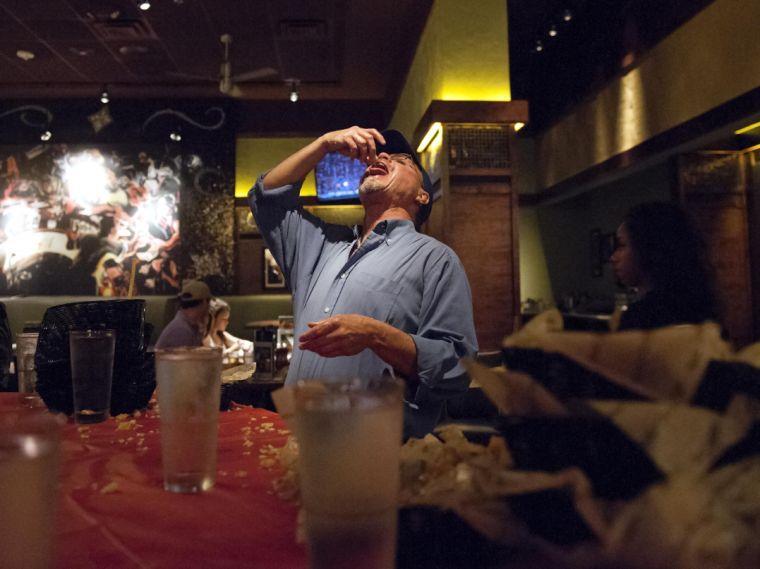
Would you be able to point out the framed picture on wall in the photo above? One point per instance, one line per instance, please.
(602, 248)
(246, 225)
(273, 277)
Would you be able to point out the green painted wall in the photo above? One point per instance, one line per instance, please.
(463, 55)
(256, 155)
(534, 272)
(566, 227)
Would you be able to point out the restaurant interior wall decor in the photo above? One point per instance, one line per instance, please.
(81, 219)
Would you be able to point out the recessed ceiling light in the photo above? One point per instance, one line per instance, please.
(81, 51)
(133, 50)
(25, 55)
(293, 84)
(539, 46)
(175, 136)
(553, 31)
(567, 15)
(45, 136)
(145, 5)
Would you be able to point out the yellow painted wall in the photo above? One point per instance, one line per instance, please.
(256, 155)
(463, 55)
(710, 60)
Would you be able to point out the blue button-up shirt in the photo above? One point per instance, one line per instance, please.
(399, 276)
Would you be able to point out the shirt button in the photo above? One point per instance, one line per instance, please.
(327, 309)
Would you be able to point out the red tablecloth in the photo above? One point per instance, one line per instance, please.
(114, 512)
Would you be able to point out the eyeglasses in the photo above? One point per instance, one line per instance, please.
(403, 158)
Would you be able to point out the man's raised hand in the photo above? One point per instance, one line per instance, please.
(355, 142)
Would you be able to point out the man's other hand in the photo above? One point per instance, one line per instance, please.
(355, 142)
(340, 335)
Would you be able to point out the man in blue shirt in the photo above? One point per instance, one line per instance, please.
(383, 300)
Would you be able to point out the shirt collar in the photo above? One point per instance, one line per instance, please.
(388, 227)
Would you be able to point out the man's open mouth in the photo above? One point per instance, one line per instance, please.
(376, 169)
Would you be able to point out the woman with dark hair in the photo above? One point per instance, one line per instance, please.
(661, 254)
(234, 349)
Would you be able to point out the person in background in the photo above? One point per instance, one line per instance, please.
(376, 301)
(235, 349)
(662, 256)
(188, 327)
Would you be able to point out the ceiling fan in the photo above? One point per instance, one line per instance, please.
(228, 83)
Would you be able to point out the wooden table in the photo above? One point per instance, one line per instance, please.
(114, 512)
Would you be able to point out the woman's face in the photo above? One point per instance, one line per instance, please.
(624, 261)
(222, 320)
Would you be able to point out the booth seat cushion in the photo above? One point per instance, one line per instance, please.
(159, 310)
(253, 307)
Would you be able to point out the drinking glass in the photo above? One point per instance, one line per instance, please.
(349, 436)
(26, 347)
(91, 354)
(189, 393)
(29, 449)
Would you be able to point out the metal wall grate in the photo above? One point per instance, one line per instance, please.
(478, 146)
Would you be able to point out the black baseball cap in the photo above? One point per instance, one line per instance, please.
(395, 143)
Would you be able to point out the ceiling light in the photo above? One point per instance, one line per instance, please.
(553, 31)
(435, 129)
(747, 129)
(133, 50)
(81, 51)
(104, 98)
(567, 15)
(25, 55)
(45, 136)
(293, 90)
(144, 5)
(539, 46)
(175, 136)
(518, 125)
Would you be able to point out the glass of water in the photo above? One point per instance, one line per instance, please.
(92, 354)
(349, 437)
(189, 393)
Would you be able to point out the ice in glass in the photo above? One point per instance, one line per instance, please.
(349, 437)
(189, 392)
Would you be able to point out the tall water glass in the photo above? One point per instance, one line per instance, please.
(91, 354)
(189, 392)
(349, 437)
(26, 347)
(29, 449)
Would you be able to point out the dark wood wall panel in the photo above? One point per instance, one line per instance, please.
(712, 187)
(249, 261)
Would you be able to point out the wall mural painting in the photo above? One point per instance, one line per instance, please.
(85, 220)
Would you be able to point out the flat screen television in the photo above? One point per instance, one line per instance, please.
(338, 177)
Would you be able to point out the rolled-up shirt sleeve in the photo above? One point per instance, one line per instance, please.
(294, 236)
(446, 331)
